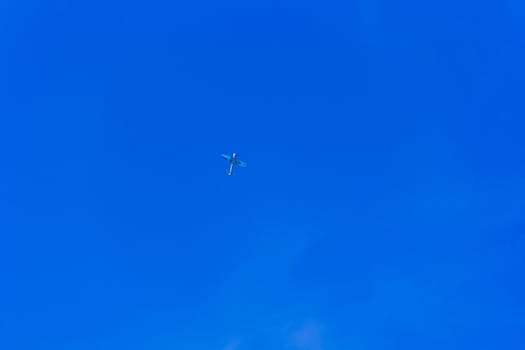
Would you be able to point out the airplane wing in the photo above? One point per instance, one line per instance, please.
(241, 163)
(228, 158)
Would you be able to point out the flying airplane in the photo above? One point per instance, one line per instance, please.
(233, 160)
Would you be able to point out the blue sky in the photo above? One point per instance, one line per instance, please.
(382, 205)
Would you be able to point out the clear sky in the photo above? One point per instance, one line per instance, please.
(382, 206)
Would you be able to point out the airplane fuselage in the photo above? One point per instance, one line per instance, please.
(232, 163)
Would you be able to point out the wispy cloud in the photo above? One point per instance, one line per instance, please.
(232, 345)
(307, 336)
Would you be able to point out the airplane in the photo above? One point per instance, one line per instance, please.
(233, 160)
